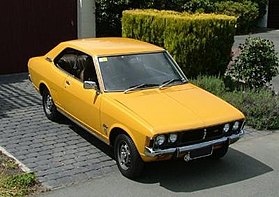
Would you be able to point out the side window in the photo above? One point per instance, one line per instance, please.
(88, 72)
(77, 63)
(67, 61)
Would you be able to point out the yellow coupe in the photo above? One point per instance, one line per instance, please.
(133, 96)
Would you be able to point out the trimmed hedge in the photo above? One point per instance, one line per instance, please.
(200, 43)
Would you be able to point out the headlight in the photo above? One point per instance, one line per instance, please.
(172, 137)
(236, 125)
(159, 140)
(226, 127)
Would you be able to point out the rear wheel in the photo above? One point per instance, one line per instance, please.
(220, 152)
(49, 107)
(127, 157)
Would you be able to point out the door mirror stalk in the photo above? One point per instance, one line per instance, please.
(89, 85)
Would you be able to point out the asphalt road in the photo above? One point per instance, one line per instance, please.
(272, 35)
(251, 168)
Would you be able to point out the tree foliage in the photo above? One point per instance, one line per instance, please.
(256, 64)
(109, 12)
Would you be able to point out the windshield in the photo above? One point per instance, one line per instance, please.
(129, 72)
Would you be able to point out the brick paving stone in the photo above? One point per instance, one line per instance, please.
(57, 152)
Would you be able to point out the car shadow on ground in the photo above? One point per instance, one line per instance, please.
(88, 137)
(179, 176)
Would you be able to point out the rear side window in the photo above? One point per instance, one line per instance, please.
(67, 61)
(77, 64)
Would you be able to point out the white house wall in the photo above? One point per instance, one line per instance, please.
(86, 18)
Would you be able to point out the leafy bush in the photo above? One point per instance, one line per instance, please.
(108, 17)
(109, 12)
(202, 6)
(215, 85)
(261, 106)
(200, 43)
(262, 6)
(256, 64)
(246, 11)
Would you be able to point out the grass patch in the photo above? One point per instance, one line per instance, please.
(14, 182)
(17, 185)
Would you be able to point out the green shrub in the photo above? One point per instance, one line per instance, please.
(262, 6)
(201, 6)
(260, 107)
(215, 85)
(256, 64)
(109, 12)
(200, 43)
(246, 11)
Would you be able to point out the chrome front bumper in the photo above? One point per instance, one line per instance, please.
(184, 149)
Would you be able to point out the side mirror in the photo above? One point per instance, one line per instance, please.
(89, 85)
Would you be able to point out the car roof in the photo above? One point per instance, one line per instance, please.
(111, 46)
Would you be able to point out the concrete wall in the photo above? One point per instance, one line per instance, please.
(86, 18)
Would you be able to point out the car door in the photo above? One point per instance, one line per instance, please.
(83, 104)
(65, 64)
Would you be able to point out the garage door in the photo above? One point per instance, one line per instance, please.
(32, 27)
(273, 14)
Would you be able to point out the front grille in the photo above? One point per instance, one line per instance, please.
(200, 135)
(194, 136)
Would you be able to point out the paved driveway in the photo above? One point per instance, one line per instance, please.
(60, 153)
(250, 169)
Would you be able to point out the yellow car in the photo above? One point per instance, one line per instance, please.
(133, 96)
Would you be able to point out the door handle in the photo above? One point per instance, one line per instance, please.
(68, 82)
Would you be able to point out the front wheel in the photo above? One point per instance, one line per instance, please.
(220, 152)
(127, 157)
(49, 107)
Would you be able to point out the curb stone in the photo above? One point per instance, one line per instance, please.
(23, 167)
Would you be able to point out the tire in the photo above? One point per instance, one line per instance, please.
(127, 157)
(49, 107)
(220, 152)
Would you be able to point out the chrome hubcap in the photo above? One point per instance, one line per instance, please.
(124, 156)
(48, 104)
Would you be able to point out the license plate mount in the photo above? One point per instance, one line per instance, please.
(199, 153)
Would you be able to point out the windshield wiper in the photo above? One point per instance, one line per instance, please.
(143, 85)
(171, 81)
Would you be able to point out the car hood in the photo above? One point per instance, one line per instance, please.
(178, 107)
